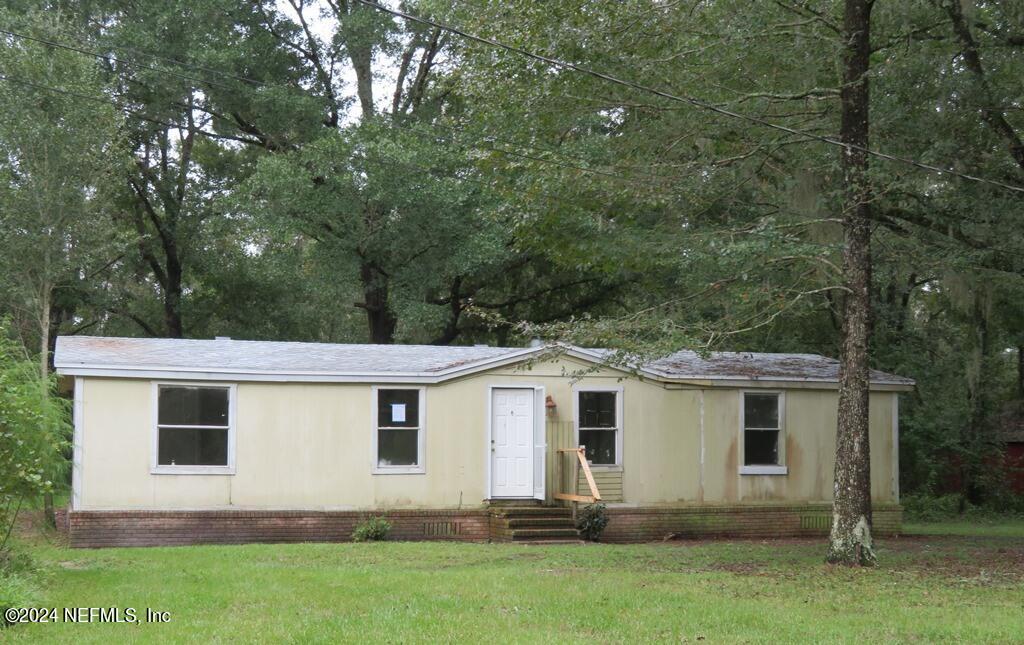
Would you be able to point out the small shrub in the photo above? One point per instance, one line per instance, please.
(922, 507)
(372, 529)
(591, 520)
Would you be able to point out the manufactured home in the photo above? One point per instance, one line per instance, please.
(189, 441)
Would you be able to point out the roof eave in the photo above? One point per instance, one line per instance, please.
(205, 373)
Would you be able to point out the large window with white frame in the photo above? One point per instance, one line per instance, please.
(599, 424)
(762, 425)
(194, 428)
(398, 428)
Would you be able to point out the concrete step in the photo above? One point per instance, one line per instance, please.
(544, 533)
(548, 542)
(539, 521)
(531, 511)
(515, 503)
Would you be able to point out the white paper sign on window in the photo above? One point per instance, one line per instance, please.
(397, 413)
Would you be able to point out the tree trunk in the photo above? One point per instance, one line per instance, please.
(850, 541)
(379, 316)
(975, 435)
(1020, 372)
(45, 305)
(172, 297)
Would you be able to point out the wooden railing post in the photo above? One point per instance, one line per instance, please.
(574, 496)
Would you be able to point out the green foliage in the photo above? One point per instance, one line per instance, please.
(372, 529)
(34, 431)
(485, 197)
(927, 507)
(922, 507)
(591, 521)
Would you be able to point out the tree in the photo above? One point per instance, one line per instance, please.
(58, 151)
(393, 191)
(33, 432)
(850, 540)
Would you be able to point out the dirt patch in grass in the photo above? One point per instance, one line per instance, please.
(955, 559)
(978, 560)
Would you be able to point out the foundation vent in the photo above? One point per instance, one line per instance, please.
(440, 529)
(816, 522)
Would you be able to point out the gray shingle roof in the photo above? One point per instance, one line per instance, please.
(251, 355)
(755, 365)
(77, 353)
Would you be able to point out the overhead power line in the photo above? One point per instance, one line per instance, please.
(144, 117)
(113, 59)
(108, 101)
(594, 171)
(689, 100)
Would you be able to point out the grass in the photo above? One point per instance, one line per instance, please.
(936, 588)
(974, 527)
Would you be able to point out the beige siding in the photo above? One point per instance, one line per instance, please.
(309, 446)
(608, 482)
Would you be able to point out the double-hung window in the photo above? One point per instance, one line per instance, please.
(398, 430)
(599, 424)
(194, 429)
(762, 415)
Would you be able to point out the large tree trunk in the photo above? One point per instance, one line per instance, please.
(172, 295)
(379, 316)
(850, 540)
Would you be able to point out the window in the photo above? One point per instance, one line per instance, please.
(398, 424)
(194, 429)
(598, 422)
(762, 429)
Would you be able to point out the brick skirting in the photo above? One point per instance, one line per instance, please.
(769, 520)
(168, 528)
(626, 524)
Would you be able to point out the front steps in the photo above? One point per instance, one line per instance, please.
(532, 524)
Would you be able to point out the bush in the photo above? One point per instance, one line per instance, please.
(372, 529)
(922, 507)
(590, 522)
(33, 433)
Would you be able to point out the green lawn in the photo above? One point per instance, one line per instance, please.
(942, 588)
(976, 527)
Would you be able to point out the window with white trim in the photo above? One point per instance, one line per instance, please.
(598, 422)
(193, 426)
(762, 428)
(398, 420)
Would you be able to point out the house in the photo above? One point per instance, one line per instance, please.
(185, 441)
(1010, 433)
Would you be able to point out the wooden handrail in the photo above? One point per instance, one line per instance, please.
(595, 494)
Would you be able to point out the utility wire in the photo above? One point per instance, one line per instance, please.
(139, 115)
(138, 52)
(699, 103)
(108, 101)
(113, 59)
(553, 151)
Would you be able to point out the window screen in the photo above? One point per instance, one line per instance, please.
(761, 429)
(193, 424)
(598, 419)
(398, 427)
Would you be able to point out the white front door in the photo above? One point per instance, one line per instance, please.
(512, 442)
